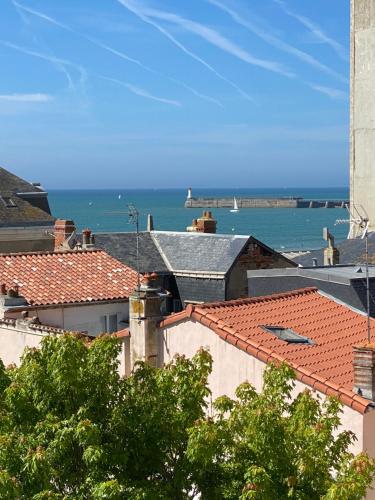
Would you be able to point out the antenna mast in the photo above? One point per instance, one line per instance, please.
(362, 223)
(134, 219)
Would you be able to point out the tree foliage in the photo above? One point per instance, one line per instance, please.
(71, 428)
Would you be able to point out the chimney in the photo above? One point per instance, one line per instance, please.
(64, 233)
(364, 370)
(205, 224)
(144, 315)
(331, 253)
(88, 240)
(150, 223)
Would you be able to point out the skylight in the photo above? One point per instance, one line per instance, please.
(8, 202)
(287, 335)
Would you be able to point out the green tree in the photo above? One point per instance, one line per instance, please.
(71, 428)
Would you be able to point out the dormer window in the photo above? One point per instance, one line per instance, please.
(8, 202)
(287, 335)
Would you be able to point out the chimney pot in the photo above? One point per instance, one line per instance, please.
(364, 370)
(86, 234)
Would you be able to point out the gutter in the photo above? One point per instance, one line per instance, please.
(32, 307)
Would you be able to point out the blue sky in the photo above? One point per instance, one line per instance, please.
(162, 93)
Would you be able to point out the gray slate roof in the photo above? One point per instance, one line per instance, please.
(123, 247)
(351, 252)
(25, 211)
(196, 252)
(11, 183)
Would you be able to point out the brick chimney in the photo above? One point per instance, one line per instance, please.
(364, 370)
(205, 224)
(144, 315)
(64, 232)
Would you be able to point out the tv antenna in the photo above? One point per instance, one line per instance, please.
(133, 215)
(359, 220)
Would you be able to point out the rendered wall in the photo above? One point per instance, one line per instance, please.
(233, 366)
(14, 341)
(82, 318)
(362, 135)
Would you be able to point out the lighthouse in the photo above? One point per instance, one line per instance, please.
(189, 195)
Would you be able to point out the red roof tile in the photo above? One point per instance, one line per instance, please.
(334, 328)
(47, 278)
(121, 334)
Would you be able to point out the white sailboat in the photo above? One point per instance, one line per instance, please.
(235, 206)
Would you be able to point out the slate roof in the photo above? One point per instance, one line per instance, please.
(13, 184)
(351, 252)
(24, 212)
(123, 247)
(198, 252)
(47, 278)
(334, 328)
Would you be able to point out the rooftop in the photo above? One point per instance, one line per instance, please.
(48, 278)
(324, 364)
(351, 252)
(123, 246)
(11, 183)
(196, 252)
(343, 274)
(20, 204)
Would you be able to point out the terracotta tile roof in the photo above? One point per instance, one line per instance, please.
(121, 334)
(334, 328)
(47, 278)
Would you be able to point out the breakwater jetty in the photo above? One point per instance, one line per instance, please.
(291, 202)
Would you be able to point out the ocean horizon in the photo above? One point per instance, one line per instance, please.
(106, 210)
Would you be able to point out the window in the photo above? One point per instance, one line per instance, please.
(8, 202)
(108, 323)
(287, 335)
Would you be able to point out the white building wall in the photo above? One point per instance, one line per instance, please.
(83, 318)
(14, 340)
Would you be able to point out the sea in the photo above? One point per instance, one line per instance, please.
(284, 229)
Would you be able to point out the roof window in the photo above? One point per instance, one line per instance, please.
(287, 335)
(8, 202)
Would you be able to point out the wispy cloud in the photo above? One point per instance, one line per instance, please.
(60, 67)
(57, 62)
(209, 35)
(140, 92)
(196, 93)
(182, 47)
(315, 30)
(26, 97)
(275, 41)
(132, 88)
(65, 27)
(330, 92)
(22, 9)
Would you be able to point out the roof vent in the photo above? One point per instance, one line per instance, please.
(287, 335)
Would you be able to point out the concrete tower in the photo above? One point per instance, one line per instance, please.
(362, 112)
